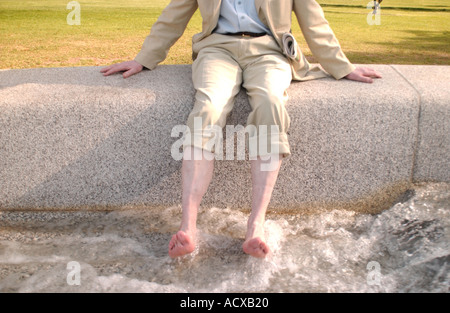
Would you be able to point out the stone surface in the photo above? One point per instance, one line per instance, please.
(71, 138)
(432, 161)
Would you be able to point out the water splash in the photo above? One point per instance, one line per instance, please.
(126, 250)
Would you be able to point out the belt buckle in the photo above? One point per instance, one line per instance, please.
(245, 35)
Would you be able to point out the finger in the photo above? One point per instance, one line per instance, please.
(366, 79)
(116, 68)
(108, 72)
(107, 68)
(372, 73)
(363, 78)
(130, 72)
(376, 74)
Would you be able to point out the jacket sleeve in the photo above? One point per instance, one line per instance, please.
(165, 32)
(321, 39)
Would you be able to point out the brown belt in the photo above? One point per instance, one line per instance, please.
(246, 34)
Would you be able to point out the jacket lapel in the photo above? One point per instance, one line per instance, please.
(215, 15)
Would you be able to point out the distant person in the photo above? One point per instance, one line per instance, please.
(241, 44)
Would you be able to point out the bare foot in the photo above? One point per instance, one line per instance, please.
(181, 244)
(256, 246)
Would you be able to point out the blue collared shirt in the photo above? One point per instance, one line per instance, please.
(239, 16)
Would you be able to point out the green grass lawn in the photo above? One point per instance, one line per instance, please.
(36, 34)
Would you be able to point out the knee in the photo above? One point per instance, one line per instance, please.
(269, 98)
(269, 109)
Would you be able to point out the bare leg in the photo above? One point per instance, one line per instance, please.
(263, 183)
(196, 176)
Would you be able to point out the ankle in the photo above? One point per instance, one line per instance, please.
(255, 224)
(189, 223)
(255, 229)
(188, 229)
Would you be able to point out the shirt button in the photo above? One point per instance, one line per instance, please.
(239, 2)
(242, 17)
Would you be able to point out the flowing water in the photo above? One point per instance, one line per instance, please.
(403, 249)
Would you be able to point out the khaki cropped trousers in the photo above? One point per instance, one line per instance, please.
(225, 63)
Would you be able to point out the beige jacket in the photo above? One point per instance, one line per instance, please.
(275, 14)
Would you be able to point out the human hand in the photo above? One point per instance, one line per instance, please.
(363, 74)
(129, 68)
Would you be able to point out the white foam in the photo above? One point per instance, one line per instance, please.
(126, 251)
